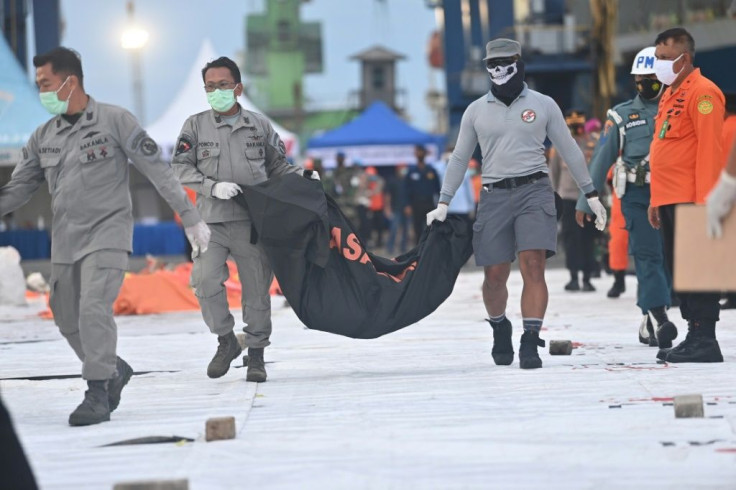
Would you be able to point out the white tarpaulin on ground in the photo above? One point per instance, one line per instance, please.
(423, 408)
(191, 100)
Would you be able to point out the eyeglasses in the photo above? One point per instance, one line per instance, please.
(211, 87)
(496, 62)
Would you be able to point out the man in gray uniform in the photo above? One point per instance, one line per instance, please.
(83, 154)
(218, 151)
(516, 212)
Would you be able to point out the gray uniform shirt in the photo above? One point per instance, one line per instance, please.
(86, 168)
(511, 140)
(210, 150)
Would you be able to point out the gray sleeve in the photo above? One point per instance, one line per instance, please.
(146, 156)
(466, 141)
(27, 177)
(603, 157)
(184, 161)
(276, 163)
(569, 150)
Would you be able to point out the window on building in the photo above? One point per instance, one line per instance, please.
(378, 78)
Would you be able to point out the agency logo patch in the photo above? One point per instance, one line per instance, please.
(705, 107)
(528, 116)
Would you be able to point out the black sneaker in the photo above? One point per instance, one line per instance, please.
(528, 356)
(115, 385)
(227, 350)
(587, 287)
(503, 348)
(666, 333)
(698, 349)
(573, 285)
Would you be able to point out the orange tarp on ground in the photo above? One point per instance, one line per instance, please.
(163, 290)
(167, 290)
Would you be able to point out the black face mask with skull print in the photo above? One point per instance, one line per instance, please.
(507, 75)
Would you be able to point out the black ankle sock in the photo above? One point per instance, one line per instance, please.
(659, 314)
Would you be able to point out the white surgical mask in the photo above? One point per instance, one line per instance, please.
(502, 74)
(664, 72)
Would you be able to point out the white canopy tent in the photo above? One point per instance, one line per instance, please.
(191, 99)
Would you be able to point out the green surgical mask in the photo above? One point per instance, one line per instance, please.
(221, 100)
(50, 101)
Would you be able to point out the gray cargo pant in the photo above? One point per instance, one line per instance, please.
(210, 272)
(81, 299)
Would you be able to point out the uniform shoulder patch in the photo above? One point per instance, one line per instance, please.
(282, 147)
(705, 106)
(183, 146)
(149, 147)
(528, 115)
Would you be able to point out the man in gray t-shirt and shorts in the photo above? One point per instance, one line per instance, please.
(516, 212)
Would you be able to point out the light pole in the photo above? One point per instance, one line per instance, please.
(134, 39)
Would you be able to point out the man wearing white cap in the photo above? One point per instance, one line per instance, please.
(516, 212)
(625, 142)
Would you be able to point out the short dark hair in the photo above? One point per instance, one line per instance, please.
(678, 35)
(223, 62)
(64, 61)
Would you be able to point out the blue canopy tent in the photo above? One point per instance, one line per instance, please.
(376, 137)
(20, 110)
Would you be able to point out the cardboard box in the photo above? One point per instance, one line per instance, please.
(701, 263)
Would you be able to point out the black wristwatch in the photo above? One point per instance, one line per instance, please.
(591, 194)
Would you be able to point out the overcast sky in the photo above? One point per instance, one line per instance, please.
(178, 27)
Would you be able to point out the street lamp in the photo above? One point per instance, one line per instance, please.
(134, 38)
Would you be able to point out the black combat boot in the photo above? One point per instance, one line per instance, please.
(256, 365)
(115, 385)
(697, 346)
(619, 284)
(94, 408)
(503, 348)
(666, 330)
(528, 356)
(228, 350)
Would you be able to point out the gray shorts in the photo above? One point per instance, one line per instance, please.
(513, 220)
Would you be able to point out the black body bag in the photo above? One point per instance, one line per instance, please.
(328, 277)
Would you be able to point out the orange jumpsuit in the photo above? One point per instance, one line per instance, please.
(618, 243)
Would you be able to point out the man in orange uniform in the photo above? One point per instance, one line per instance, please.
(685, 163)
(729, 136)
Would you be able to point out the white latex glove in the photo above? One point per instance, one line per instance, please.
(225, 190)
(439, 214)
(199, 236)
(600, 212)
(719, 203)
(313, 174)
